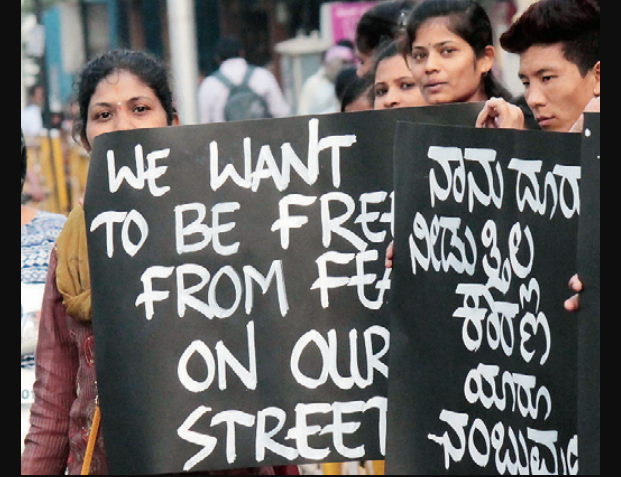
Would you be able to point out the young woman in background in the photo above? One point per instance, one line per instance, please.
(452, 50)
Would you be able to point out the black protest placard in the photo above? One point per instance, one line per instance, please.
(483, 355)
(238, 289)
(589, 328)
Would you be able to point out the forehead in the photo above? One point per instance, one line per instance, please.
(392, 67)
(544, 58)
(121, 86)
(433, 32)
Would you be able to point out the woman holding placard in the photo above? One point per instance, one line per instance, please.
(120, 90)
(452, 50)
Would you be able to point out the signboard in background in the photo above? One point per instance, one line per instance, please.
(238, 290)
(340, 19)
(483, 369)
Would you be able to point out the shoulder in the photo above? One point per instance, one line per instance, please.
(260, 71)
(263, 80)
(49, 220)
(208, 84)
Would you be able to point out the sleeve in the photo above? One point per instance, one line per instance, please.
(306, 97)
(47, 443)
(212, 98)
(205, 102)
(279, 107)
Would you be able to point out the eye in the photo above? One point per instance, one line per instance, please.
(408, 85)
(103, 115)
(141, 109)
(546, 79)
(447, 51)
(419, 56)
(380, 91)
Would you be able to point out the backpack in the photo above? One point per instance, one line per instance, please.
(243, 103)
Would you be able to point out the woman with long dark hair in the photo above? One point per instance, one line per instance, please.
(452, 50)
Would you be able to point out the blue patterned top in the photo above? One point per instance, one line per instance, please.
(38, 239)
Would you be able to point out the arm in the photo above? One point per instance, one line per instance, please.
(206, 98)
(279, 108)
(47, 443)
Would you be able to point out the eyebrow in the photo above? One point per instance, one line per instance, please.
(538, 73)
(105, 104)
(436, 45)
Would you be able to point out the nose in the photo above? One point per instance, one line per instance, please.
(391, 100)
(433, 64)
(123, 120)
(535, 97)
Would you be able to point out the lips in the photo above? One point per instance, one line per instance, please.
(435, 86)
(545, 121)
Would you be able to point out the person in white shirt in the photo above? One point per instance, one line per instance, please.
(213, 93)
(32, 118)
(318, 93)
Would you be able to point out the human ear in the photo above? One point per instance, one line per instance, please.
(486, 61)
(597, 74)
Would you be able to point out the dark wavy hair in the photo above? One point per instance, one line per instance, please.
(574, 23)
(467, 19)
(384, 22)
(151, 71)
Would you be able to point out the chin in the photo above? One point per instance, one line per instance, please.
(437, 99)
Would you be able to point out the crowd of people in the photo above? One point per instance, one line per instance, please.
(407, 53)
(411, 53)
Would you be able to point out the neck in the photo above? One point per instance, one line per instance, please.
(479, 96)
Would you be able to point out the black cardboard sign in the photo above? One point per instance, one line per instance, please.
(483, 355)
(239, 290)
(589, 269)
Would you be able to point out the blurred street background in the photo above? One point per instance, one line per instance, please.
(287, 37)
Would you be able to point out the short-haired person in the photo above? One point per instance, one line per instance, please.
(558, 43)
(213, 93)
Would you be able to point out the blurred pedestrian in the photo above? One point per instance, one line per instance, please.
(32, 115)
(318, 94)
(39, 232)
(238, 90)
